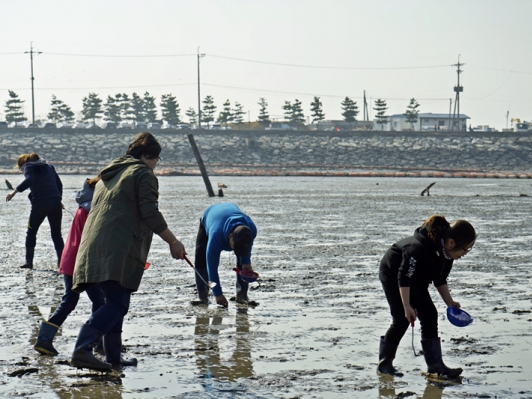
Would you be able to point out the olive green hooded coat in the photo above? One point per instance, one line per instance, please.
(118, 233)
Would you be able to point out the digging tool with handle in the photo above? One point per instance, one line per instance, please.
(412, 321)
(209, 284)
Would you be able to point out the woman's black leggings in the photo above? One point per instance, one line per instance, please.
(51, 209)
(421, 301)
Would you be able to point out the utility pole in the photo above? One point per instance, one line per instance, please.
(366, 114)
(31, 52)
(457, 89)
(450, 106)
(199, 95)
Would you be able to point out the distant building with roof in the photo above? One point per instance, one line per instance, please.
(425, 122)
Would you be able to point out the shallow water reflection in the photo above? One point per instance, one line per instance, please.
(234, 362)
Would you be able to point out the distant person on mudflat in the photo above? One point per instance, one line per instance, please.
(115, 245)
(46, 191)
(406, 271)
(69, 301)
(223, 227)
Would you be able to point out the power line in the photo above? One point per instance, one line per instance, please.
(102, 88)
(242, 60)
(309, 94)
(121, 56)
(325, 67)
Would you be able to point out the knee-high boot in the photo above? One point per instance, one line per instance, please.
(433, 358)
(112, 344)
(241, 290)
(59, 254)
(386, 355)
(45, 337)
(83, 357)
(30, 251)
(203, 289)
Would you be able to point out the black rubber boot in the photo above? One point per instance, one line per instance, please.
(386, 355)
(241, 290)
(203, 289)
(45, 337)
(98, 348)
(29, 258)
(433, 358)
(82, 357)
(112, 344)
(59, 254)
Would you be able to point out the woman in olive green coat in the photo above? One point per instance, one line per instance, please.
(115, 244)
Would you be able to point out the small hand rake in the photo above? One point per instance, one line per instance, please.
(209, 284)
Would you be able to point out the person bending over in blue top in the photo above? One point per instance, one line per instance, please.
(46, 192)
(223, 227)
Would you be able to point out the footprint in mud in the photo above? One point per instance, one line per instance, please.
(463, 340)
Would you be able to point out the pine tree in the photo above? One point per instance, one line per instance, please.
(60, 112)
(92, 108)
(412, 112)
(137, 108)
(238, 113)
(264, 117)
(380, 108)
(55, 114)
(150, 109)
(350, 110)
(226, 115)
(13, 108)
(209, 109)
(287, 107)
(112, 110)
(126, 108)
(297, 113)
(170, 109)
(316, 107)
(192, 116)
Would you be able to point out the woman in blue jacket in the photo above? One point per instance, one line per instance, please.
(46, 191)
(406, 271)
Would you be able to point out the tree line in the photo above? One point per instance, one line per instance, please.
(135, 108)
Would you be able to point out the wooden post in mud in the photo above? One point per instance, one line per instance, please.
(426, 190)
(201, 165)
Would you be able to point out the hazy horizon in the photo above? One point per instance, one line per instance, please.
(279, 50)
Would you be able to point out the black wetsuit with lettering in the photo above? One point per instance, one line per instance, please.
(414, 262)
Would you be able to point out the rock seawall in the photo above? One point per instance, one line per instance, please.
(266, 152)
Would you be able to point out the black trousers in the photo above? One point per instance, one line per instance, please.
(200, 262)
(421, 301)
(51, 209)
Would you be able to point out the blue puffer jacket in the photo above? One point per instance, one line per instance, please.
(42, 180)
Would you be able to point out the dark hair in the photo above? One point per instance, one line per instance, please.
(144, 144)
(242, 240)
(92, 181)
(461, 231)
(25, 158)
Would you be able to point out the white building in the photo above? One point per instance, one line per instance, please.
(425, 122)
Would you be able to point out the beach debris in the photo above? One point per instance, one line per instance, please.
(426, 190)
(23, 371)
(221, 185)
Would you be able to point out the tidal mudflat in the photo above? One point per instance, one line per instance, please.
(321, 310)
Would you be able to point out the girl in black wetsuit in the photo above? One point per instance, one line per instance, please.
(46, 192)
(406, 271)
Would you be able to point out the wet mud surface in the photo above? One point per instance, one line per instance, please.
(321, 310)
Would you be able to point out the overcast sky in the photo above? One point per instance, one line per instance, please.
(281, 50)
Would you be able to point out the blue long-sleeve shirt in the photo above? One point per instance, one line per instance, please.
(42, 180)
(219, 221)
